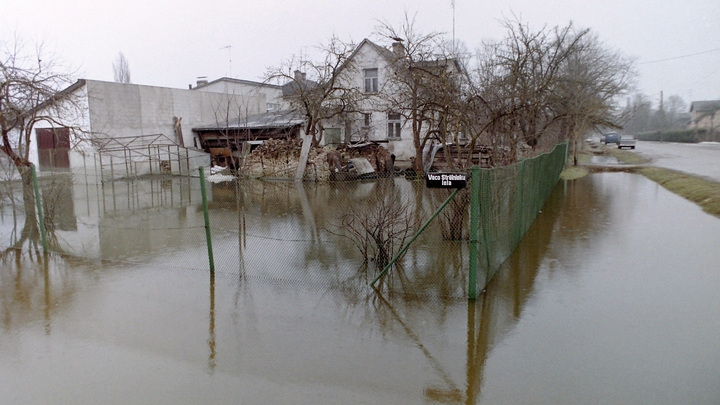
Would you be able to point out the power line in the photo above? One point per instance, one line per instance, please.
(680, 57)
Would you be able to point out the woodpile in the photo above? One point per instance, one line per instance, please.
(278, 158)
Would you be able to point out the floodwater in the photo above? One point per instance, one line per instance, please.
(611, 297)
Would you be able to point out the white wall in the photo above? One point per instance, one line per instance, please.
(367, 57)
(271, 93)
(111, 110)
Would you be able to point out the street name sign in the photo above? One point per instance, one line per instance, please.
(445, 180)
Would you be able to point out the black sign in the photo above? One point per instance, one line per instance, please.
(446, 180)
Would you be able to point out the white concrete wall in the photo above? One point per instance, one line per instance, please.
(108, 110)
(119, 110)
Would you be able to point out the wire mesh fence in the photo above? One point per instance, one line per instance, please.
(510, 199)
(335, 235)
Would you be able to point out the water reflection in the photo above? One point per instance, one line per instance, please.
(284, 316)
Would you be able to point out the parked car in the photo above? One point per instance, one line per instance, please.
(611, 137)
(626, 141)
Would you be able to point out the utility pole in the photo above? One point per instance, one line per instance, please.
(229, 48)
(662, 116)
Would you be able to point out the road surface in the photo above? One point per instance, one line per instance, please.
(701, 159)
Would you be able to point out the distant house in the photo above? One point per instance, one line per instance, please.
(125, 130)
(705, 115)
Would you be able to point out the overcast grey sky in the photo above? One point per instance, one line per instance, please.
(171, 43)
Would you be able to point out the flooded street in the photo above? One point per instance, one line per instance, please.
(611, 297)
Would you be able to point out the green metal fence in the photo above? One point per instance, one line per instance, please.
(510, 199)
(392, 233)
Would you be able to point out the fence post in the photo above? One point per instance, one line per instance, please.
(474, 224)
(207, 219)
(41, 215)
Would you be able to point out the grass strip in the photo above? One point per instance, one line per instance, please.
(705, 193)
(627, 157)
(574, 172)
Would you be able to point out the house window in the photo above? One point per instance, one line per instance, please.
(394, 126)
(366, 119)
(272, 106)
(371, 80)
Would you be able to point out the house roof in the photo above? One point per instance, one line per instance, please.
(238, 81)
(705, 106)
(384, 52)
(268, 120)
(80, 83)
(293, 86)
(391, 57)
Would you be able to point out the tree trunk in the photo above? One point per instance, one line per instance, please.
(30, 229)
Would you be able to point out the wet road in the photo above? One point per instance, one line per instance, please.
(610, 298)
(702, 159)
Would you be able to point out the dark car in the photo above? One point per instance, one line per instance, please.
(611, 137)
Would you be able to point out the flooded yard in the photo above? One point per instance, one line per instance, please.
(611, 297)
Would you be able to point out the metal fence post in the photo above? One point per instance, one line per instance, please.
(474, 224)
(207, 219)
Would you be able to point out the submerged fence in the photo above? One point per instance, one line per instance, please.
(314, 235)
(510, 199)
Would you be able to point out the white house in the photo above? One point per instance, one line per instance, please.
(384, 117)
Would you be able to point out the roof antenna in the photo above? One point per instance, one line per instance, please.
(452, 3)
(229, 48)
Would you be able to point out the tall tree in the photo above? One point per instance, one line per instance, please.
(557, 83)
(33, 90)
(590, 82)
(675, 110)
(424, 84)
(315, 89)
(121, 69)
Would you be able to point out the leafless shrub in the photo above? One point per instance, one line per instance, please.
(378, 227)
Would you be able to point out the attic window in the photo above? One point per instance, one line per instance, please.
(371, 80)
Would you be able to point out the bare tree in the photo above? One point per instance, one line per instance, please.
(424, 84)
(30, 94)
(550, 83)
(121, 69)
(676, 107)
(638, 113)
(316, 89)
(591, 80)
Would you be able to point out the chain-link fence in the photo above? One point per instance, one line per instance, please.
(343, 234)
(510, 199)
(337, 235)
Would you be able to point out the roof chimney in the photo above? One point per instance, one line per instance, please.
(201, 81)
(299, 76)
(398, 49)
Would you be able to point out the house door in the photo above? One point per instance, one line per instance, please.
(53, 148)
(332, 137)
